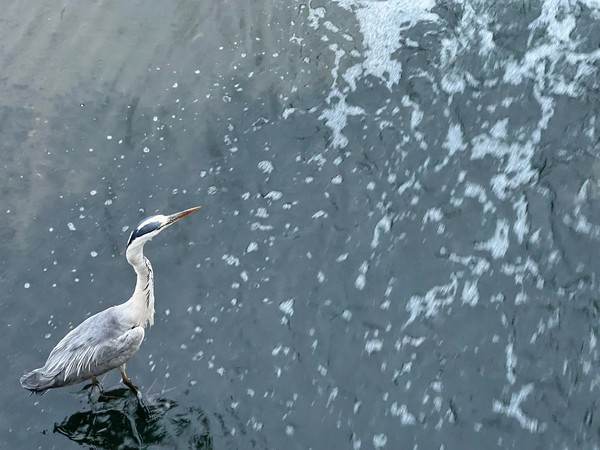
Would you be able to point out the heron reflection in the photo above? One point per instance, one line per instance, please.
(117, 420)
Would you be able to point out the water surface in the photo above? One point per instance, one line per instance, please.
(398, 245)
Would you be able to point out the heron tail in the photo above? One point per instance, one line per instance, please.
(37, 381)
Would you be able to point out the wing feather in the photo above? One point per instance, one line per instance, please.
(91, 348)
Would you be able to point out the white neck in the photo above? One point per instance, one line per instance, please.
(141, 303)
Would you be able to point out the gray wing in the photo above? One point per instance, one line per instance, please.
(100, 343)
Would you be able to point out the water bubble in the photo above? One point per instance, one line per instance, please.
(379, 440)
(265, 166)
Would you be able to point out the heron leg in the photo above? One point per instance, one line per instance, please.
(127, 381)
(97, 384)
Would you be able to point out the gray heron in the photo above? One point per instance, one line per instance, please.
(106, 340)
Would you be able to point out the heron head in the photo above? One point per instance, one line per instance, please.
(151, 226)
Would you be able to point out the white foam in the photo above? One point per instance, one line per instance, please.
(336, 118)
(406, 418)
(288, 112)
(433, 300)
(319, 214)
(231, 260)
(383, 226)
(274, 195)
(470, 293)
(382, 24)
(342, 257)
(520, 226)
(498, 244)
(373, 345)
(379, 440)
(518, 170)
(361, 279)
(287, 307)
(332, 396)
(433, 215)
(511, 361)
(477, 191)
(454, 140)
(266, 166)
(314, 16)
(337, 179)
(514, 411)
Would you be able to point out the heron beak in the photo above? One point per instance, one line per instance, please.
(175, 217)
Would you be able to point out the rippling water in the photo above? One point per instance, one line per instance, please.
(398, 245)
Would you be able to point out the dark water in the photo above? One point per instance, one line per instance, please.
(398, 245)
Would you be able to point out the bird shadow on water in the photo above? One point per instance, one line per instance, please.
(118, 420)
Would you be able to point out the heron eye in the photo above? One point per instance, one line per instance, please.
(142, 230)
